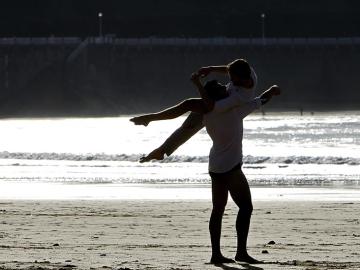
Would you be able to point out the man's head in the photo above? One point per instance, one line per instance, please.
(215, 90)
(240, 73)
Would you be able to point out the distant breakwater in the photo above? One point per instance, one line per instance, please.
(124, 76)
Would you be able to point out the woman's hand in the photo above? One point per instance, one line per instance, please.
(204, 71)
(195, 77)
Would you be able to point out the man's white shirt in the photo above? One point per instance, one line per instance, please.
(224, 125)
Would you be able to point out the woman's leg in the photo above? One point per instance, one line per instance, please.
(219, 199)
(240, 193)
(191, 104)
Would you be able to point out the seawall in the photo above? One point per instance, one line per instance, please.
(110, 77)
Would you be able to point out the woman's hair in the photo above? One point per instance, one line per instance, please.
(240, 68)
(215, 90)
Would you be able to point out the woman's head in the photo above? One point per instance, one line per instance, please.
(215, 90)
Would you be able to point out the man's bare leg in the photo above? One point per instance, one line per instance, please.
(219, 191)
(240, 193)
(192, 104)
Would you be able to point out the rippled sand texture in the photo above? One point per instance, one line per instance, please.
(174, 235)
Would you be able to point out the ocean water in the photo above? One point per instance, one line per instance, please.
(98, 158)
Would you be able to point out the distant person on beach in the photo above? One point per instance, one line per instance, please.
(221, 108)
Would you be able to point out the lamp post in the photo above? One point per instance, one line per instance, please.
(263, 16)
(100, 15)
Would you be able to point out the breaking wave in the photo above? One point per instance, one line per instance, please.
(179, 159)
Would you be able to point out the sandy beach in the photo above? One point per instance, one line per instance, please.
(163, 234)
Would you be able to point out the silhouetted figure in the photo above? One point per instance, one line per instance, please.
(221, 109)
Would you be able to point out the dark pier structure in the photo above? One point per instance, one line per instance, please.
(60, 58)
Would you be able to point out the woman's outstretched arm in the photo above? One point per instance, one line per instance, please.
(189, 105)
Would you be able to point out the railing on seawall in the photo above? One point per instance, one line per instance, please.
(186, 42)
(40, 41)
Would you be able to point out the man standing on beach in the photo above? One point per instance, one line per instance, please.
(224, 125)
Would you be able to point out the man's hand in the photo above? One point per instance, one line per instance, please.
(204, 71)
(275, 90)
(157, 154)
(268, 94)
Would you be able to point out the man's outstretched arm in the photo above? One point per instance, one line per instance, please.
(256, 103)
(268, 94)
(189, 128)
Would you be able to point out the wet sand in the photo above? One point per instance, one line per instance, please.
(174, 235)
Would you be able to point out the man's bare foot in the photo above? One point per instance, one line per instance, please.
(247, 258)
(220, 259)
(157, 154)
(141, 120)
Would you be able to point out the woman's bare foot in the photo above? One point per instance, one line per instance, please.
(220, 259)
(247, 258)
(157, 154)
(141, 120)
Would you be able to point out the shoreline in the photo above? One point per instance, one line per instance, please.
(112, 192)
